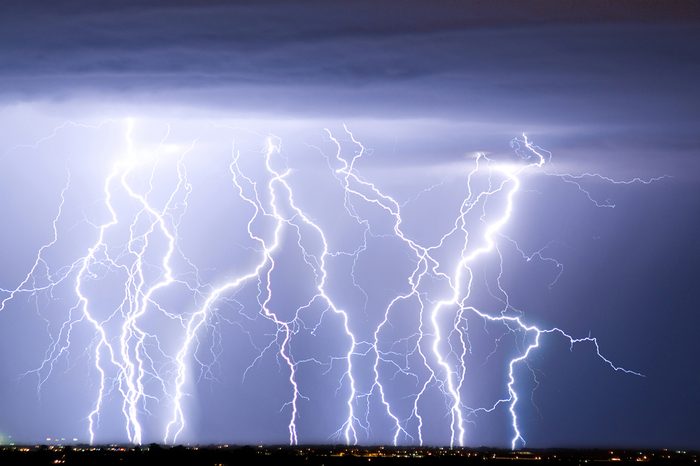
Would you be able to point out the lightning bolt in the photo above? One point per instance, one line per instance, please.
(133, 364)
(126, 353)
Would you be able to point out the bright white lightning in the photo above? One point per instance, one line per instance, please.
(461, 289)
(127, 355)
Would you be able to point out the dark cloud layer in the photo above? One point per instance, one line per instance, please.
(446, 52)
(623, 71)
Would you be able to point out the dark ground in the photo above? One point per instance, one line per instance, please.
(327, 456)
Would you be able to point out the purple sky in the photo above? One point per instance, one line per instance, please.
(606, 87)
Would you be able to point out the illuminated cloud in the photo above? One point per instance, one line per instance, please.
(190, 256)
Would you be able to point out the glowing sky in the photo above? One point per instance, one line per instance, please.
(182, 147)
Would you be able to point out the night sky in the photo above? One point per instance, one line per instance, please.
(143, 166)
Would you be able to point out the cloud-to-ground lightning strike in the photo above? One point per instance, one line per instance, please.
(141, 221)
